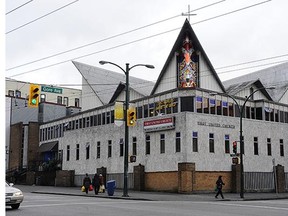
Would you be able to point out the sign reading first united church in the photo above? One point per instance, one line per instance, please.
(51, 89)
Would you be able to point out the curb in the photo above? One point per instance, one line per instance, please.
(94, 196)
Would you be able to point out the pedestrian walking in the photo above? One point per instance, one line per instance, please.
(219, 185)
(86, 183)
(96, 183)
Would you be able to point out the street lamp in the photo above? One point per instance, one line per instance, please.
(241, 112)
(126, 72)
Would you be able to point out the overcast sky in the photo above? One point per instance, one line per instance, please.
(251, 34)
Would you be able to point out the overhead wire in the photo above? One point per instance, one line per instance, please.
(138, 40)
(41, 17)
(18, 7)
(109, 38)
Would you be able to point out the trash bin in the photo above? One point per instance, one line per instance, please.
(110, 186)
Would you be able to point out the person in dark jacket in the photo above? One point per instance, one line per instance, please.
(96, 183)
(219, 184)
(86, 183)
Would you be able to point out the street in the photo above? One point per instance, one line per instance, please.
(49, 205)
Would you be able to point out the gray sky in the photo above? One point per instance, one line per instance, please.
(255, 33)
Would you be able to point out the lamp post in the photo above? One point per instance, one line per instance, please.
(127, 98)
(241, 112)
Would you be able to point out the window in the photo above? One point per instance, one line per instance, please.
(68, 153)
(212, 106)
(281, 148)
(178, 142)
(77, 102)
(84, 122)
(175, 107)
(225, 108)
(248, 112)
(187, 104)
(139, 112)
(269, 150)
(98, 150)
(134, 145)
(17, 93)
(99, 119)
(121, 142)
(147, 144)
(253, 113)
(87, 121)
(256, 151)
(211, 142)
(195, 141)
(108, 117)
(231, 109)
(199, 104)
(11, 93)
(109, 148)
(259, 113)
(162, 143)
(206, 105)
(152, 110)
(59, 100)
(76, 123)
(65, 101)
(103, 118)
(219, 107)
(227, 144)
(87, 150)
(145, 111)
(77, 151)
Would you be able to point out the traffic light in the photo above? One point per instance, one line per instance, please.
(132, 158)
(131, 116)
(235, 147)
(34, 94)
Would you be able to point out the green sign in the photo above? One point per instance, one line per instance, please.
(51, 89)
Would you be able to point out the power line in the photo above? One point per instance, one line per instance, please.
(109, 38)
(131, 42)
(41, 17)
(18, 7)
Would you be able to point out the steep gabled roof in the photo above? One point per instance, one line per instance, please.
(276, 76)
(238, 87)
(105, 83)
(187, 30)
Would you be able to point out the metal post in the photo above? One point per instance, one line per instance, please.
(127, 100)
(241, 155)
(125, 188)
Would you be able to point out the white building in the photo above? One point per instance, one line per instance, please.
(179, 122)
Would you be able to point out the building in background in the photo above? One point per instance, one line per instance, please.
(22, 122)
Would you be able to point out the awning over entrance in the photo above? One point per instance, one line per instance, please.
(51, 146)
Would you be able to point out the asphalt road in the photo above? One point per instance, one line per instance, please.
(50, 205)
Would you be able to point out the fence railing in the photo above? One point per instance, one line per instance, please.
(259, 181)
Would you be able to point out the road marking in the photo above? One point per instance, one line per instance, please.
(249, 206)
(79, 203)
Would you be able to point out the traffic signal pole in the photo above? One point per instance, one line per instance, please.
(127, 98)
(126, 107)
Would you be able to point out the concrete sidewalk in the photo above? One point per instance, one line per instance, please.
(150, 196)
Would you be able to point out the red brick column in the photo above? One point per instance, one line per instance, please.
(186, 177)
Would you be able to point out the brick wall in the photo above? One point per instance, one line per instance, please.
(33, 143)
(161, 181)
(168, 181)
(15, 145)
